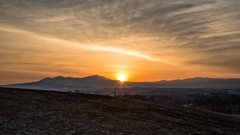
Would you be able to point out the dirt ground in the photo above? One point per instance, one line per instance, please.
(35, 112)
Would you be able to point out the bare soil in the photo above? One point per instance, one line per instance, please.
(38, 112)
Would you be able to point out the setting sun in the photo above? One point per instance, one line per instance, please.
(122, 78)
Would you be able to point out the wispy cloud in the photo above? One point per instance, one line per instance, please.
(122, 51)
(83, 46)
(193, 31)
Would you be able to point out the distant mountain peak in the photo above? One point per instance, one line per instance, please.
(92, 77)
(52, 78)
(96, 77)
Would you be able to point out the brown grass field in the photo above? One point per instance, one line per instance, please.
(35, 112)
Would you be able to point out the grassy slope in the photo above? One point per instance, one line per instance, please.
(41, 112)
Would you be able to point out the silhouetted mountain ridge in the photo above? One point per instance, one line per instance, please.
(97, 81)
(61, 78)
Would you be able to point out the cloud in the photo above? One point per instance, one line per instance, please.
(84, 46)
(127, 52)
(193, 31)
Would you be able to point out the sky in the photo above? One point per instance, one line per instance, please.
(146, 40)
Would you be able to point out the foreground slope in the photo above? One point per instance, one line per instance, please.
(42, 112)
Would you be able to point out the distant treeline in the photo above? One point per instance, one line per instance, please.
(218, 102)
(224, 103)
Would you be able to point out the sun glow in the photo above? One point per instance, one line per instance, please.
(122, 78)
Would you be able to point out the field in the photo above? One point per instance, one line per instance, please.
(45, 112)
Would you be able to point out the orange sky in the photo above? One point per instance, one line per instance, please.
(143, 40)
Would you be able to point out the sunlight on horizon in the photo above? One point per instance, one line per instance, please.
(122, 77)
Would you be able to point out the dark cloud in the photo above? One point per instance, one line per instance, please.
(200, 32)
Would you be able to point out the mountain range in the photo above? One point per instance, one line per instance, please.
(95, 82)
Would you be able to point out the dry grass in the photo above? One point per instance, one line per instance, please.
(41, 112)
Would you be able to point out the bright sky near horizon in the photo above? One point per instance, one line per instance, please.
(146, 40)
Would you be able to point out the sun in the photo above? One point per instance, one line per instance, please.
(122, 78)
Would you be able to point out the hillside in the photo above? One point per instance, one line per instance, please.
(46, 112)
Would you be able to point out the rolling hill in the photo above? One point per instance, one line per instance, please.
(46, 112)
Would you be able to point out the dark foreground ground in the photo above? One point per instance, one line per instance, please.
(42, 112)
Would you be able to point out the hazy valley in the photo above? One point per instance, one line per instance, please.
(219, 95)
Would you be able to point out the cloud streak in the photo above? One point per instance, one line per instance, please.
(126, 52)
(90, 47)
